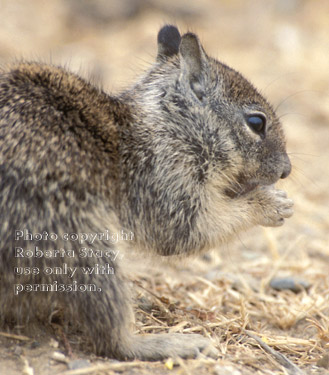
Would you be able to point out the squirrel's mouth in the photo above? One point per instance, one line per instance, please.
(238, 189)
(244, 185)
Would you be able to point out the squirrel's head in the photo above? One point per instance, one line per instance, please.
(209, 117)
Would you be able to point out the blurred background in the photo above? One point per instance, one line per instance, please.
(282, 46)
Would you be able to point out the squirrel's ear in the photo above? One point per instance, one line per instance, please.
(168, 42)
(193, 62)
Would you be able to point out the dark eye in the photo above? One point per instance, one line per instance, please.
(257, 123)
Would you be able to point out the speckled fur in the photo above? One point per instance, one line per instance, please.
(170, 160)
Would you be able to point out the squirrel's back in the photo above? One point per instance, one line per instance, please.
(58, 150)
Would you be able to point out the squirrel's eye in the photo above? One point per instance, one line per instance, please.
(257, 123)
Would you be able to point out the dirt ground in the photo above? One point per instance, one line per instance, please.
(282, 46)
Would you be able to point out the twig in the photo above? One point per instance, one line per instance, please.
(280, 358)
(103, 367)
(15, 337)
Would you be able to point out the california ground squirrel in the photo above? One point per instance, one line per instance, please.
(184, 160)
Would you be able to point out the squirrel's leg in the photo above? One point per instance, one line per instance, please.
(108, 318)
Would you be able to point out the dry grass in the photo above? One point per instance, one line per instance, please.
(282, 46)
(237, 305)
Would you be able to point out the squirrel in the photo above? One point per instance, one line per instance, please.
(185, 159)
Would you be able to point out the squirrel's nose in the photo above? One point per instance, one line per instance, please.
(287, 168)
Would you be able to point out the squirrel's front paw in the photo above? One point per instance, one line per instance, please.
(275, 206)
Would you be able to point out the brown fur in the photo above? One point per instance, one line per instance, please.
(173, 160)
